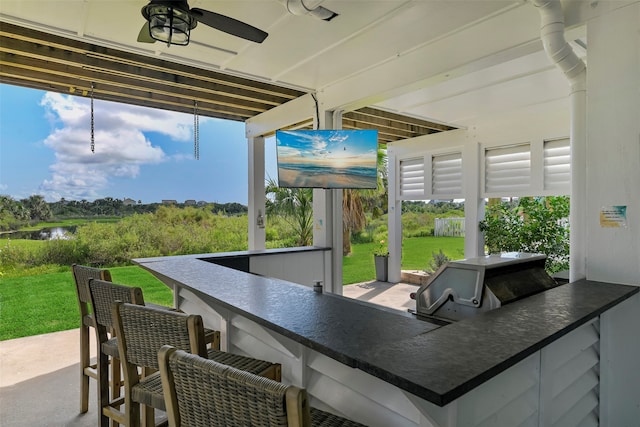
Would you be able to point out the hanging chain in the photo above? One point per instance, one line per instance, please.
(93, 142)
(196, 131)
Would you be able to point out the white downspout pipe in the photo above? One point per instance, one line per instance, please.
(309, 7)
(557, 48)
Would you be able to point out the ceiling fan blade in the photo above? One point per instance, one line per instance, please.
(229, 25)
(144, 36)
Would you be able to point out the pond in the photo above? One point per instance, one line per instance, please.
(42, 234)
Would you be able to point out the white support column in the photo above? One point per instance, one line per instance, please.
(394, 219)
(323, 236)
(256, 200)
(322, 202)
(613, 143)
(578, 202)
(256, 127)
(327, 232)
(322, 218)
(473, 203)
(327, 216)
(336, 252)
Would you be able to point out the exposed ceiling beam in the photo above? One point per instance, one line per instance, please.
(44, 61)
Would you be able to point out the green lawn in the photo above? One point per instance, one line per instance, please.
(43, 303)
(416, 254)
(45, 300)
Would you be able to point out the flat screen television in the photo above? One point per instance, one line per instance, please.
(327, 158)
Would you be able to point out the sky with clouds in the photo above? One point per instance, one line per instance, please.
(140, 153)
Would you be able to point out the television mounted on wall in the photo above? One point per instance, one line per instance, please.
(327, 159)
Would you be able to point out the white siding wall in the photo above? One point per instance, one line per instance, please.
(297, 267)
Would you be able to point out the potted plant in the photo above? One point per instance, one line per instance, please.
(381, 260)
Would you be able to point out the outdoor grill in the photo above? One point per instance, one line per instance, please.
(463, 289)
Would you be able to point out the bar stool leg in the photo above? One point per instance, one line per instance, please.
(85, 364)
(116, 384)
(103, 388)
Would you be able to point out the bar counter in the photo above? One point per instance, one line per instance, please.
(435, 364)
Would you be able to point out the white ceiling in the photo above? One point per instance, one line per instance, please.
(448, 61)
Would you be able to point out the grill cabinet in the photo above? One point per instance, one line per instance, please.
(465, 288)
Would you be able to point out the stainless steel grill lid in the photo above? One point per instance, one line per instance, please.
(462, 289)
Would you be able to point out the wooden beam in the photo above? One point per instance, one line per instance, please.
(44, 61)
(113, 92)
(401, 119)
(136, 73)
(86, 75)
(148, 62)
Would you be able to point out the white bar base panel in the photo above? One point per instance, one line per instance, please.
(556, 386)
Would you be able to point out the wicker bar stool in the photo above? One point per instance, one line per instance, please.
(203, 393)
(103, 294)
(81, 276)
(141, 332)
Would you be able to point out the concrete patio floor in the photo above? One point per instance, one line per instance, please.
(39, 378)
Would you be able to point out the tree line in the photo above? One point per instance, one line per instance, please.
(18, 213)
(15, 214)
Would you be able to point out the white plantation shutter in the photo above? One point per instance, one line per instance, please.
(507, 170)
(446, 175)
(557, 165)
(412, 178)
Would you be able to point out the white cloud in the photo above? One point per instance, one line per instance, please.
(121, 146)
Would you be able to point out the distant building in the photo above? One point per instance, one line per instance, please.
(128, 202)
(202, 203)
(169, 202)
(190, 202)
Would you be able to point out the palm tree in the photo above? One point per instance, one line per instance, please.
(295, 205)
(353, 217)
(12, 213)
(356, 202)
(39, 209)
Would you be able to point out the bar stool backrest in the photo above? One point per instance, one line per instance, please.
(200, 392)
(104, 294)
(143, 330)
(81, 276)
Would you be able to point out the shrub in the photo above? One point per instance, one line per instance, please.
(412, 221)
(12, 255)
(361, 237)
(438, 260)
(534, 225)
(61, 252)
(170, 231)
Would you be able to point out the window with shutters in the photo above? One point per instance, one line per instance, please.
(446, 175)
(507, 170)
(557, 165)
(412, 179)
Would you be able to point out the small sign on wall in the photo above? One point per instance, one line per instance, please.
(613, 217)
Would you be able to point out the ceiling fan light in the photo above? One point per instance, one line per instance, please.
(169, 24)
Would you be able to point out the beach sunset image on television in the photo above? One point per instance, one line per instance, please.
(327, 158)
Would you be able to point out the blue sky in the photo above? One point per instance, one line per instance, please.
(141, 153)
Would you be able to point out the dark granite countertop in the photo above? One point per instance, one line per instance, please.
(436, 363)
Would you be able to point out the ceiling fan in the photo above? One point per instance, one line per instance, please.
(171, 21)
